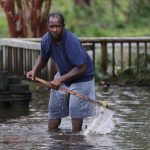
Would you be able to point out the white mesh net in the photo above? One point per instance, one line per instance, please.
(102, 123)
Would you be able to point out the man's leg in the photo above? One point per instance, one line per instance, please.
(78, 108)
(53, 124)
(77, 124)
(58, 107)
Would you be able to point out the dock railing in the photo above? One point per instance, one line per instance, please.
(18, 56)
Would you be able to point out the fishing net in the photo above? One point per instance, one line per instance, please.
(102, 122)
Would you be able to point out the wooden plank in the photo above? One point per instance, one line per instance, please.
(20, 43)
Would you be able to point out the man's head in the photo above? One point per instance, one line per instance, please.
(56, 25)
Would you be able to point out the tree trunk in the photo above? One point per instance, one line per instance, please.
(8, 7)
(26, 18)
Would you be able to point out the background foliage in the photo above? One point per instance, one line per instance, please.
(101, 18)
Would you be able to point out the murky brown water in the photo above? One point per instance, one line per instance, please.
(131, 131)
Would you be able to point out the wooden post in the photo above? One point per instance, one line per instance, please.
(129, 63)
(104, 58)
(146, 57)
(138, 56)
(5, 58)
(113, 59)
(122, 56)
(1, 58)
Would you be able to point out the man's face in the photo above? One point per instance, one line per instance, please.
(55, 28)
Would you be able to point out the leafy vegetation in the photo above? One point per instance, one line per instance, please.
(129, 75)
(107, 18)
(101, 18)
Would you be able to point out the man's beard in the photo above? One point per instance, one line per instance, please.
(56, 37)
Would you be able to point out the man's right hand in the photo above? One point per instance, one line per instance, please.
(55, 84)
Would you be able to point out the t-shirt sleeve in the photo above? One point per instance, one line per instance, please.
(76, 53)
(45, 49)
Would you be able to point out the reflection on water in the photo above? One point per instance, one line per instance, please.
(131, 131)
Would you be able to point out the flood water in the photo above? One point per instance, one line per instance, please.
(131, 119)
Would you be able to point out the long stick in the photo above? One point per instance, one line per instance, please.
(100, 103)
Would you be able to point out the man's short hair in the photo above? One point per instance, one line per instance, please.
(57, 15)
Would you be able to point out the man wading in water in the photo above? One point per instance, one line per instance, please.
(75, 71)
